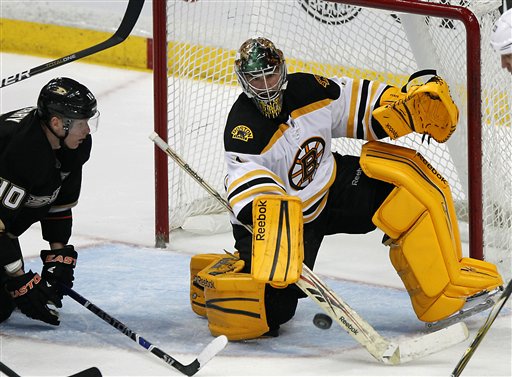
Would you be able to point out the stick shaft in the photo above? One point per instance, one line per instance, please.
(482, 331)
(127, 331)
(8, 371)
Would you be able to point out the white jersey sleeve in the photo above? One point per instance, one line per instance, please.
(352, 115)
(247, 179)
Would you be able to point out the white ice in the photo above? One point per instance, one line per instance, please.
(147, 289)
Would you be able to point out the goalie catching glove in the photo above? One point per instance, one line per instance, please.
(427, 109)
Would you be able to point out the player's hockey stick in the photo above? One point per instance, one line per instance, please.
(8, 371)
(213, 348)
(483, 330)
(380, 348)
(125, 28)
(91, 372)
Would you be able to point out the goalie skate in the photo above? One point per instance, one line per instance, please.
(474, 304)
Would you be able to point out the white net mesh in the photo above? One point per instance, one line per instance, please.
(334, 39)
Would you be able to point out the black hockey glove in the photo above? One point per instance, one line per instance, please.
(58, 266)
(31, 295)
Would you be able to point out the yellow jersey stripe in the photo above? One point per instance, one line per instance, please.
(251, 175)
(277, 135)
(310, 108)
(256, 190)
(353, 104)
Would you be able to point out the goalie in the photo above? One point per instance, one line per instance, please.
(284, 182)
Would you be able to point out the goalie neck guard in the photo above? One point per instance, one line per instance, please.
(261, 71)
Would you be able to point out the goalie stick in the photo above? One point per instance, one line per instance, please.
(123, 31)
(483, 330)
(381, 349)
(212, 349)
(91, 372)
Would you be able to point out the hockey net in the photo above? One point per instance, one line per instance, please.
(336, 39)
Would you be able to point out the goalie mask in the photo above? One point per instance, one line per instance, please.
(261, 71)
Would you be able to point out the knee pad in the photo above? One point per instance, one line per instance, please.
(419, 217)
(234, 302)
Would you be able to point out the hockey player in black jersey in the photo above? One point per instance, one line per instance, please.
(285, 182)
(42, 151)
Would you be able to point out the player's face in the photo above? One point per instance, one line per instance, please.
(79, 129)
(265, 86)
(506, 62)
(77, 133)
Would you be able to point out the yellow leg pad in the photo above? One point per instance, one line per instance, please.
(197, 263)
(420, 247)
(425, 186)
(427, 308)
(235, 305)
(419, 216)
(474, 274)
(277, 247)
(398, 213)
(442, 307)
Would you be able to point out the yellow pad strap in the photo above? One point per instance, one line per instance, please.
(277, 247)
(426, 109)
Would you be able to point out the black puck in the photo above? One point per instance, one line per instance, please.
(322, 321)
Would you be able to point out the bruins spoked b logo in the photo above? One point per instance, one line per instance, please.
(306, 163)
(330, 13)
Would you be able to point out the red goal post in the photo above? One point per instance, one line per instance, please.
(194, 47)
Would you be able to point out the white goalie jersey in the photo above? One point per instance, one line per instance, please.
(292, 153)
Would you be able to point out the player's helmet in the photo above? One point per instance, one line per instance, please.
(261, 71)
(501, 38)
(66, 98)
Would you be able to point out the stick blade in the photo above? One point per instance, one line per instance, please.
(436, 341)
(212, 349)
(91, 372)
